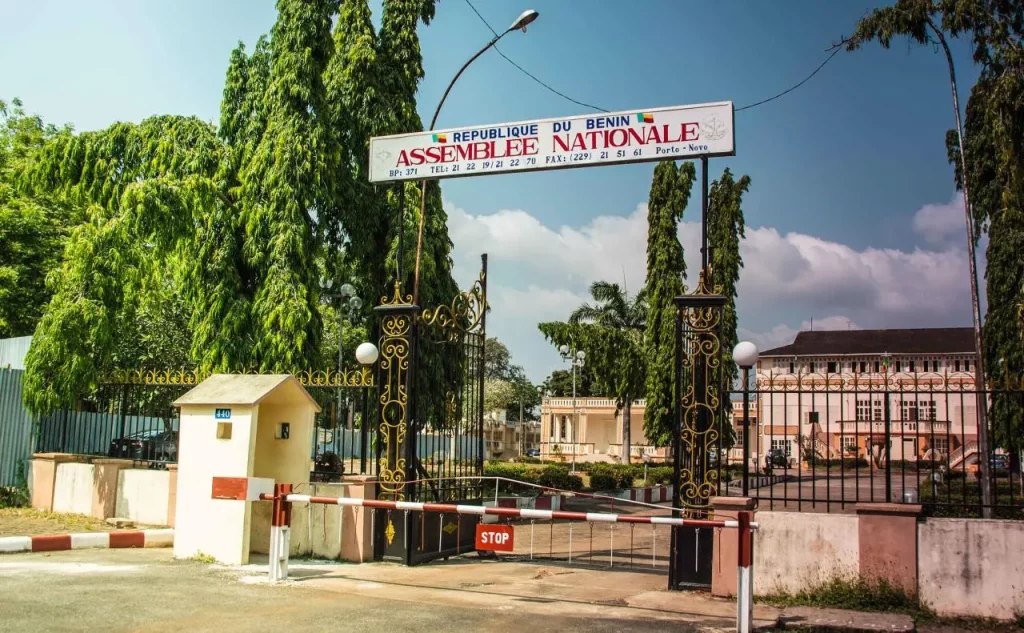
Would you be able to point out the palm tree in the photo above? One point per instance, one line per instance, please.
(616, 311)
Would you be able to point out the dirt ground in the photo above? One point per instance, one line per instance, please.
(29, 522)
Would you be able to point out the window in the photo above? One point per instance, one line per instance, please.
(909, 410)
(792, 369)
(849, 443)
(810, 366)
(912, 367)
(863, 367)
(868, 409)
(783, 445)
(878, 366)
(833, 368)
(956, 365)
(941, 444)
(926, 410)
(967, 365)
(812, 417)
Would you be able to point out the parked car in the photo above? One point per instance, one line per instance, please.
(776, 457)
(1000, 464)
(533, 452)
(152, 445)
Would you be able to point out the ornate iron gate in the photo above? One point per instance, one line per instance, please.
(698, 411)
(430, 436)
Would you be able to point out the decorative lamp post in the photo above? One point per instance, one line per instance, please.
(349, 305)
(745, 355)
(577, 359)
(525, 18)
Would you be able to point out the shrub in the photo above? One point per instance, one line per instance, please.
(16, 496)
(559, 477)
(526, 459)
(659, 475)
(625, 480)
(518, 472)
(600, 481)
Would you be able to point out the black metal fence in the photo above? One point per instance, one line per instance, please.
(825, 444)
(137, 420)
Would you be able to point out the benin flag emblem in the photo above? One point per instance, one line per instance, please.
(643, 117)
(440, 138)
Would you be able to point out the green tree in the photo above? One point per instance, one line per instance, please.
(615, 311)
(725, 230)
(559, 383)
(32, 229)
(666, 270)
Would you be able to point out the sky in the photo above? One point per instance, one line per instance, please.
(852, 217)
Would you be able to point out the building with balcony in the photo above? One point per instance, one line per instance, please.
(851, 393)
(591, 429)
(506, 440)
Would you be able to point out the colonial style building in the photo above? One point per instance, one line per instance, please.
(507, 440)
(848, 393)
(591, 428)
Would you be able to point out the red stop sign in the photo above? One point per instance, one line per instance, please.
(494, 538)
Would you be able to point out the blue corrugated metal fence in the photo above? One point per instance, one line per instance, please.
(15, 429)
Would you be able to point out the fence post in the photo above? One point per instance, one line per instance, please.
(888, 450)
(745, 579)
(280, 533)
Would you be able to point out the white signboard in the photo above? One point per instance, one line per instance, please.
(581, 141)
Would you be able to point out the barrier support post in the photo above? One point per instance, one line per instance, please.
(745, 579)
(280, 532)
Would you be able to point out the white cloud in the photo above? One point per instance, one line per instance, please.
(942, 223)
(782, 334)
(539, 273)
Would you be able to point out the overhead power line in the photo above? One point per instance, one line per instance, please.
(593, 107)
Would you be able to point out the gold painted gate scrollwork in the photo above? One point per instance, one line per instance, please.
(699, 377)
(396, 330)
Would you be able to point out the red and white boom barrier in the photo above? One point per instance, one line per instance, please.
(283, 498)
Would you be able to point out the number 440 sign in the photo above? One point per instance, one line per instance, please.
(494, 538)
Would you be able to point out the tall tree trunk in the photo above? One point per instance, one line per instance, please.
(981, 399)
(626, 424)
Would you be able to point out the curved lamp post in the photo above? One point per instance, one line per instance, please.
(525, 18)
(577, 359)
(745, 355)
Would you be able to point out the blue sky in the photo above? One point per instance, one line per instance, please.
(852, 214)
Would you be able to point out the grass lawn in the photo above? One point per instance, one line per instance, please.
(29, 522)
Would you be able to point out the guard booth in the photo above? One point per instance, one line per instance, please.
(254, 429)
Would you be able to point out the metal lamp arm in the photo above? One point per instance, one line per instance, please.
(433, 120)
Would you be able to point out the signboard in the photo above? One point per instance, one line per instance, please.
(582, 141)
(494, 538)
(222, 414)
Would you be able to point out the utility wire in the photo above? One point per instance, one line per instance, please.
(592, 107)
(526, 72)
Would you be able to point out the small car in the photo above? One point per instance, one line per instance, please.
(150, 445)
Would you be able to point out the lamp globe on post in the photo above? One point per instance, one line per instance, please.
(366, 354)
(745, 355)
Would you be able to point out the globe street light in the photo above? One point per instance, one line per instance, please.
(745, 355)
(349, 305)
(525, 18)
(577, 359)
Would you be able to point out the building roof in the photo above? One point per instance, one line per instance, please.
(245, 389)
(956, 340)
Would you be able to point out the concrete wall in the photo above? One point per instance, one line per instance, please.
(143, 496)
(971, 567)
(72, 491)
(795, 550)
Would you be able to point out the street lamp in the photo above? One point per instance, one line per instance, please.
(577, 359)
(745, 355)
(349, 305)
(525, 18)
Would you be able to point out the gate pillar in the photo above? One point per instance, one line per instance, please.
(398, 317)
(698, 409)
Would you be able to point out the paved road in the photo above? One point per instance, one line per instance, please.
(144, 590)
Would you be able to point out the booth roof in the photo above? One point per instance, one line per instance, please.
(245, 389)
